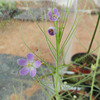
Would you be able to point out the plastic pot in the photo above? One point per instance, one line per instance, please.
(84, 64)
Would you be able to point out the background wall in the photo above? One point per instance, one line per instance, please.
(90, 3)
(97, 2)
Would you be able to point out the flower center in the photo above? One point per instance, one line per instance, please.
(54, 16)
(29, 65)
(51, 30)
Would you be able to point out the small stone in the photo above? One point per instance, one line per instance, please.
(65, 83)
(75, 96)
(4, 88)
(5, 67)
(93, 67)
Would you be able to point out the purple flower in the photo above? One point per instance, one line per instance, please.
(53, 15)
(29, 65)
(52, 31)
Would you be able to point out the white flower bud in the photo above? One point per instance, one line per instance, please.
(65, 83)
(93, 67)
(75, 96)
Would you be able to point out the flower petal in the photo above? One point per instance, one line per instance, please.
(30, 57)
(51, 18)
(37, 64)
(24, 71)
(22, 62)
(33, 72)
(57, 14)
(50, 13)
(55, 10)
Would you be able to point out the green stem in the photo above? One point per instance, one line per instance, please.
(53, 81)
(57, 75)
(94, 33)
(92, 85)
(57, 63)
(94, 75)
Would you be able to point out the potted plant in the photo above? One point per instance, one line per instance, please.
(82, 61)
(84, 64)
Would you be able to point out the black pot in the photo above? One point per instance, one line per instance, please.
(86, 62)
(96, 91)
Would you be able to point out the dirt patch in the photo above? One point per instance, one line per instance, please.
(11, 40)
